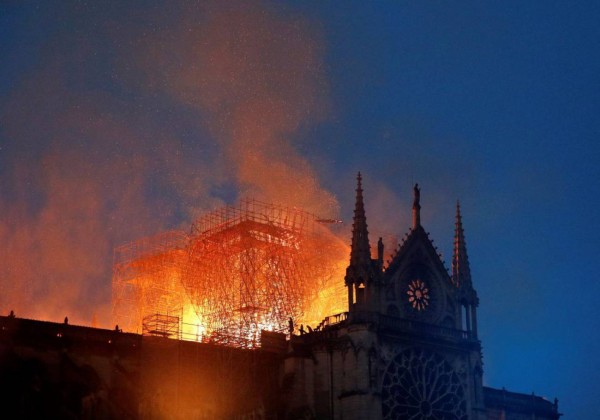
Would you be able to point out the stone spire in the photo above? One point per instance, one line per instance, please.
(416, 207)
(461, 272)
(360, 254)
(362, 272)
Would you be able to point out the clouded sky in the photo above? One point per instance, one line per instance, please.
(121, 120)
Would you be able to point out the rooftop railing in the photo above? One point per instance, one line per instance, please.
(395, 324)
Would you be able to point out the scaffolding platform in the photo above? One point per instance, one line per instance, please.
(161, 325)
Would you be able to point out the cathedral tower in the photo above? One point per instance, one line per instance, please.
(407, 347)
(410, 352)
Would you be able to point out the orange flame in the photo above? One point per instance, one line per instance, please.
(242, 270)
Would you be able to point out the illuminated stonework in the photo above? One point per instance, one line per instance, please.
(419, 384)
(418, 295)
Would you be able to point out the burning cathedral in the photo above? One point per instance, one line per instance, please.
(253, 316)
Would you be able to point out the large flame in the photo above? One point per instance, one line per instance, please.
(242, 270)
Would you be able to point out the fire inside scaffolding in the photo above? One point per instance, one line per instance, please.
(242, 269)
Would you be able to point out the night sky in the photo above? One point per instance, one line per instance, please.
(119, 120)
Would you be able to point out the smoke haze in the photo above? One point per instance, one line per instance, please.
(130, 129)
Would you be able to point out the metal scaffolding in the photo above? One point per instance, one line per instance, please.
(160, 325)
(243, 269)
(147, 279)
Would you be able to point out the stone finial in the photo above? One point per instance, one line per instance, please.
(416, 206)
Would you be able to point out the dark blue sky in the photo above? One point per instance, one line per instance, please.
(119, 121)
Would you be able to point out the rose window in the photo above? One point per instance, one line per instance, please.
(418, 295)
(419, 384)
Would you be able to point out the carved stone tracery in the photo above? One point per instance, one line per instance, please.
(419, 384)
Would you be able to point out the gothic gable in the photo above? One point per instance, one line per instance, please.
(417, 285)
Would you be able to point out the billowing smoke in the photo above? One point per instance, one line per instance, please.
(129, 124)
(257, 78)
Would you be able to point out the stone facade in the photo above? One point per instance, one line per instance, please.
(408, 346)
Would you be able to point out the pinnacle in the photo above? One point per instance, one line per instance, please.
(361, 249)
(461, 272)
